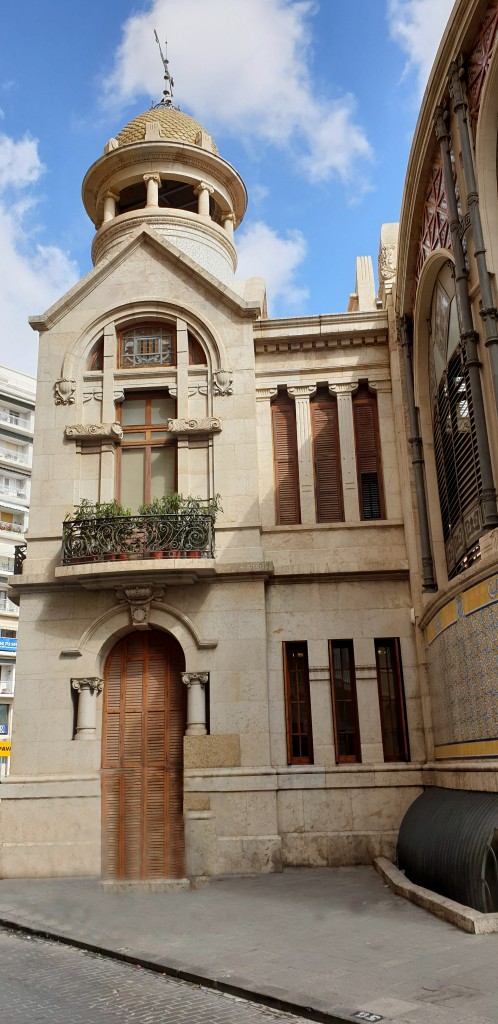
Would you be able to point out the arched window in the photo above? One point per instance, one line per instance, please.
(148, 344)
(147, 455)
(96, 358)
(196, 353)
(287, 505)
(326, 458)
(368, 460)
(457, 460)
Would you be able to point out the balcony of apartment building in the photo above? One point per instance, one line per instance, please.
(14, 454)
(7, 607)
(16, 421)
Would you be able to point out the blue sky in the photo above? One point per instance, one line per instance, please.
(313, 101)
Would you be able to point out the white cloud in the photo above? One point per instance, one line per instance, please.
(32, 275)
(243, 68)
(418, 26)
(263, 253)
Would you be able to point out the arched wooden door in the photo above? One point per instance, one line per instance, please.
(142, 758)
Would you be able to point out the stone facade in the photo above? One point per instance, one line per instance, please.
(354, 582)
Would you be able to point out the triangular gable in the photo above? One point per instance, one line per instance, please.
(168, 251)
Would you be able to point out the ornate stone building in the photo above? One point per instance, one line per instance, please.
(272, 684)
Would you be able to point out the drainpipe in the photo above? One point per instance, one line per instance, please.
(428, 576)
(489, 313)
(468, 336)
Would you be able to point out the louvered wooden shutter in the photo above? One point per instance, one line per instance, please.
(142, 787)
(368, 461)
(287, 505)
(327, 460)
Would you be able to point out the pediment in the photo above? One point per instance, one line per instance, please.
(146, 241)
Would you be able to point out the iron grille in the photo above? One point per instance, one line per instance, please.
(136, 537)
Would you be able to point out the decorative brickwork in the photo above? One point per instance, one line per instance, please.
(435, 232)
(478, 63)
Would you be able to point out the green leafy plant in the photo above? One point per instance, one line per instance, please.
(97, 510)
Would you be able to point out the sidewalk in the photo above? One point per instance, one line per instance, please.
(336, 940)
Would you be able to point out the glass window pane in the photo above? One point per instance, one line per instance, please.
(162, 471)
(162, 408)
(132, 477)
(135, 435)
(4, 719)
(133, 411)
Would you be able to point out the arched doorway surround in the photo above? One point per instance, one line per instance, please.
(142, 758)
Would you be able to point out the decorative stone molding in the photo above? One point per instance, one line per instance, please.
(380, 385)
(266, 394)
(89, 393)
(209, 425)
(302, 390)
(222, 382)
(139, 600)
(196, 702)
(87, 689)
(94, 432)
(343, 388)
(118, 397)
(387, 261)
(64, 389)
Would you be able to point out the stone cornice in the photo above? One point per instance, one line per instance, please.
(144, 236)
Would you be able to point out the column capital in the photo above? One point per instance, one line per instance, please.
(441, 124)
(152, 176)
(111, 195)
(302, 390)
(195, 678)
(91, 683)
(266, 394)
(456, 76)
(203, 187)
(343, 388)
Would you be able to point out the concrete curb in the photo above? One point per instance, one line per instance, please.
(274, 1002)
(465, 918)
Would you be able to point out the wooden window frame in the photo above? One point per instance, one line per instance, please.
(283, 400)
(144, 428)
(365, 397)
(291, 758)
(327, 402)
(399, 700)
(147, 326)
(345, 758)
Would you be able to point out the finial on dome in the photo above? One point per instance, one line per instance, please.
(167, 101)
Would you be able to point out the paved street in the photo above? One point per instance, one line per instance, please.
(45, 981)
(334, 939)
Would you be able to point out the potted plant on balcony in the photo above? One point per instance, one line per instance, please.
(182, 530)
(99, 535)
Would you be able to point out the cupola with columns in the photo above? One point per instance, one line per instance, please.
(163, 171)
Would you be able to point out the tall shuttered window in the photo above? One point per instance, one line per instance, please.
(344, 705)
(297, 704)
(287, 505)
(326, 458)
(391, 700)
(455, 442)
(368, 460)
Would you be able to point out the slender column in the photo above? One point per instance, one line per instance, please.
(203, 192)
(86, 722)
(428, 575)
(489, 313)
(301, 396)
(182, 410)
(110, 200)
(196, 702)
(468, 336)
(229, 223)
(107, 457)
(344, 393)
(153, 182)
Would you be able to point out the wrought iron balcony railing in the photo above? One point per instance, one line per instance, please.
(136, 537)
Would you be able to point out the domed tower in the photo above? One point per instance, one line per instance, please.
(163, 170)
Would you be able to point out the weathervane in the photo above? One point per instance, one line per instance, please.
(168, 91)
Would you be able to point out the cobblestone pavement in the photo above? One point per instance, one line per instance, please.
(46, 981)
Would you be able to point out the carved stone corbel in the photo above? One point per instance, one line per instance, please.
(64, 389)
(195, 427)
(266, 394)
(92, 433)
(139, 600)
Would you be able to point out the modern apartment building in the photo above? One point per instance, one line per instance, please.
(17, 401)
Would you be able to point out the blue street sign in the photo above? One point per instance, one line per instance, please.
(8, 643)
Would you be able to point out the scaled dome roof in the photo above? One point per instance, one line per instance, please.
(175, 126)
